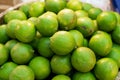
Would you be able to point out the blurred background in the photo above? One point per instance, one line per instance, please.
(103, 4)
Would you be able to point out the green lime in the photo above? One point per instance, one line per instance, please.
(4, 54)
(86, 26)
(116, 34)
(10, 44)
(14, 14)
(94, 12)
(22, 72)
(67, 19)
(3, 34)
(86, 6)
(55, 5)
(11, 26)
(81, 13)
(83, 59)
(36, 9)
(106, 21)
(106, 69)
(44, 47)
(61, 77)
(40, 67)
(25, 31)
(59, 43)
(47, 25)
(21, 53)
(83, 76)
(101, 43)
(6, 70)
(74, 5)
(61, 64)
(78, 37)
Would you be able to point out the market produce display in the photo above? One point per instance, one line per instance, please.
(59, 40)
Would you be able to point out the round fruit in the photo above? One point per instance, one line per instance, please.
(83, 76)
(55, 5)
(116, 34)
(22, 72)
(101, 43)
(94, 12)
(67, 19)
(25, 31)
(106, 69)
(44, 47)
(6, 70)
(10, 44)
(11, 26)
(4, 54)
(3, 34)
(106, 21)
(61, 64)
(86, 26)
(25, 8)
(61, 77)
(59, 43)
(86, 6)
(47, 25)
(83, 59)
(40, 67)
(81, 13)
(33, 20)
(74, 5)
(21, 53)
(115, 54)
(36, 9)
(78, 37)
(14, 14)
(49, 13)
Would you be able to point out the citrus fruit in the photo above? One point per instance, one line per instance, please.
(3, 34)
(86, 6)
(36, 9)
(95, 25)
(85, 42)
(59, 43)
(47, 25)
(106, 69)
(14, 14)
(61, 77)
(10, 28)
(116, 34)
(25, 31)
(49, 13)
(106, 21)
(22, 72)
(33, 19)
(54, 5)
(115, 54)
(78, 37)
(25, 8)
(40, 67)
(117, 16)
(6, 70)
(21, 53)
(81, 13)
(44, 47)
(101, 43)
(83, 59)
(86, 26)
(94, 12)
(61, 64)
(4, 54)
(10, 44)
(74, 5)
(67, 19)
(83, 76)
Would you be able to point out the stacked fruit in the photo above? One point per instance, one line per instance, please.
(59, 40)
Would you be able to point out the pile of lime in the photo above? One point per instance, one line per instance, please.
(59, 40)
